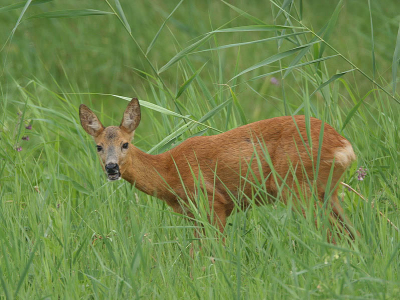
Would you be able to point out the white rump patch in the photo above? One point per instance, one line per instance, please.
(345, 156)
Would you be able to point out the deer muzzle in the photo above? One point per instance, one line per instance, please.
(113, 172)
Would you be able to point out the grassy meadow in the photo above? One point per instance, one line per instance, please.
(199, 68)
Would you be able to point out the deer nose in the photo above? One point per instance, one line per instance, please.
(112, 168)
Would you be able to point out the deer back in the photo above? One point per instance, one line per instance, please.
(233, 160)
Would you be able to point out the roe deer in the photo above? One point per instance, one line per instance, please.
(224, 160)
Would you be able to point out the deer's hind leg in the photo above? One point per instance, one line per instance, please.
(300, 196)
(303, 199)
(218, 210)
(216, 215)
(340, 216)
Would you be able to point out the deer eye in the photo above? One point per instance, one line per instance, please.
(99, 148)
(125, 146)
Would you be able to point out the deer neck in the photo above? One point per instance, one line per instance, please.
(149, 173)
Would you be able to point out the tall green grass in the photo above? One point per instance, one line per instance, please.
(200, 68)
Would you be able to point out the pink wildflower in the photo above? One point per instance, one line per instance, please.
(274, 81)
(361, 173)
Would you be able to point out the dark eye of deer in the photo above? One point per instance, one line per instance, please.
(125, 146)
(99, 148)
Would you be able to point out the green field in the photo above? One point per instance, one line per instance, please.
(199, 68)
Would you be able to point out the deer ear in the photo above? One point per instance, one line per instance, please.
(131, 117)
(89, 121)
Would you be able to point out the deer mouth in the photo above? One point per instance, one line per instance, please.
(114, 176)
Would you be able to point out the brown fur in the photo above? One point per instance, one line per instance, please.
(225, 159)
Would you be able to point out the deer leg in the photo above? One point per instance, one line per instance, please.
(338, 213)
(218, 210)
(303, 198)
(219, 218)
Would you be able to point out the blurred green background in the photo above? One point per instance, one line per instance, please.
(99, 55)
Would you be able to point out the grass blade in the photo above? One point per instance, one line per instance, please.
(4, 286)
(143, 73)
(395, 64)
(213, 112)
(121, 13)
(153, 106)
(252, 42)
(395, 253)
(351, 94)
(354, 109)
(296, 60)
(75, 184)
(320, 142)
(188, 82)
(303, 52)
(256, 28)
(271, 59)
(21, 4)
(26, 269)
(71, 13)
(307, 114)
(184, 52)
(372, 40)
(239, 107)
(171, 137)
(285, 4)
(20, 18)
(161, 28)
(301, 10)
(200, 42)
(245, 14)
(293, 67)
(333, 78)
(330, 26)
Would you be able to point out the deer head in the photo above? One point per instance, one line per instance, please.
(112, 142)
